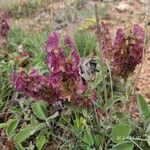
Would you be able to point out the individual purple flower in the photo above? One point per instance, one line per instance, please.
(80, 87)
(68, 42)
(52, 42)
(33, 72)
(119, 39)
(138, 32)
(78, 100)
(68, 67)
(18, 81)
(52, 62)
(55, 61)
(55, 79)
(75, 57)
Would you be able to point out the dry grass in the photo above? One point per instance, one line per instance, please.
(7, 4)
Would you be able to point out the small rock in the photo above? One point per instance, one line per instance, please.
(144, 1)
(148, 58)
(42, 16)
(60, 26)
(58, 20)
(122, 20)
(123, 7)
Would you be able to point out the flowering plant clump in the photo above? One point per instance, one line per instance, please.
(63, 83)
(125, 52)
(4, 27)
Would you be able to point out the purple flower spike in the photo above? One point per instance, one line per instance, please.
(138, 32)
(4, 27)
(52, 42)
(127, 51)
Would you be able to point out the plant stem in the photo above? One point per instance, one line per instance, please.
(98, 33)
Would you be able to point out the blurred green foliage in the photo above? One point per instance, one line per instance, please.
(85, 42)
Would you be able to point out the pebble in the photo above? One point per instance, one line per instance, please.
(123, 7)
(144, 1)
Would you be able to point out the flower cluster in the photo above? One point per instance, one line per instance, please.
(4, 27)
(35, 85)
(63, 82)
(125, 52)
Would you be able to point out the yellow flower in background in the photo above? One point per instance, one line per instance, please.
(87, 23)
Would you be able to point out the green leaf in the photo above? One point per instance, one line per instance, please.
(148, 134)
(15, 110)
(88, 137)
(111, 102)
(124, 146)
(148, 128)
(56, 114)
(11, 127)
(122, 117)
(143, 107)
(64, 120)
(44, 106)
(98, 139)
(31, 146)
(98, 79)
(27, 132)
(38, 111)
(100, 147)
(19, 146)
(120, 132)
(3, 125)
(85, 112)
(89, 148)
(40, 142)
